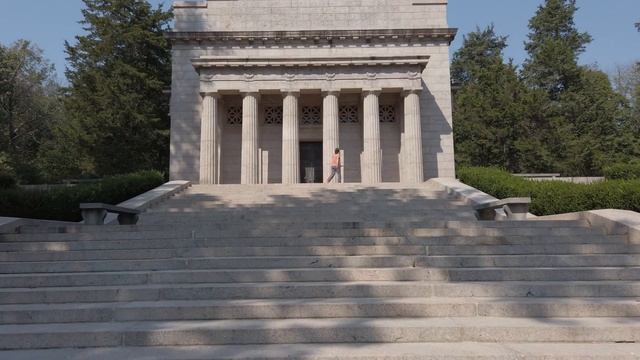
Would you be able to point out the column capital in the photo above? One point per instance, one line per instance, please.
(250, 93)
(326, 92)
(371, 91)
(295, 93)
(409, 91)
(213, 94)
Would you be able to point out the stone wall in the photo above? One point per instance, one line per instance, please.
(278, 15)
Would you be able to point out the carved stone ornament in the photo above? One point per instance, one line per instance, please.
(289, 76)
(413, 74)
(331, 76)
(207, 77)
(372, 75)
(249, 77)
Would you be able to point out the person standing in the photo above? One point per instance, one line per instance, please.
(336, 163)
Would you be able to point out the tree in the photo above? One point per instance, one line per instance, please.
(596, 117)
(554, 45)
(29, 104)
(481, 48)
(626, 79)
(490, 106)
(117, 73)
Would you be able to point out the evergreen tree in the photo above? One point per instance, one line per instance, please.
(481, 48)
(554, 46)
(596, 118)
(117, 73)
(490, 105)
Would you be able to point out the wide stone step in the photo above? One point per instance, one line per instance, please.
(543, 274)
(587, 234)
(529, 261)
(341, 330)
(432, 227)
(316, 224)
(293, 262)
(210, 248)
(170, 248)
(271, 290)
(217, 276)
(316, 275)
(559, 249)
(317, 308)
(307, 290)
(210, 263)
(347, 351)
(198, 219)
(320, 210)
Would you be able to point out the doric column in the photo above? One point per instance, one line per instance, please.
(330, 129)
(412, 152)
(210, 138)
(372, 155)
(290, 139)
(249, 171)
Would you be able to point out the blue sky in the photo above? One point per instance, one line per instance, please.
(49, 22)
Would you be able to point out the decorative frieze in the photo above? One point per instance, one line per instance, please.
(311, 77)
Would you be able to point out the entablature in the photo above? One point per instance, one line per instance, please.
(322, 77)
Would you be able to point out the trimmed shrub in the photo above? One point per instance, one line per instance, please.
(63, 203)
(622, 172)
(7, 181)
(555, 197)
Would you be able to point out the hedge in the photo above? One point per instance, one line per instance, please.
(62, 203)
(7, 180)
(555, 197)
(622, 171)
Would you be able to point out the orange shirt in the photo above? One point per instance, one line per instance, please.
(335, 160)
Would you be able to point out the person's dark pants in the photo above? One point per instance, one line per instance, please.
(335, 171)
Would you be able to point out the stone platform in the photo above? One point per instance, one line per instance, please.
(319, 272)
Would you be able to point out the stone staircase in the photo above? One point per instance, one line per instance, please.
(319, 272)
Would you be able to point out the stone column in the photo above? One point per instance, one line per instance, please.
(412, 151)
(330, 130)
(210, 138)
(250, 132)
(372, 155)
(290, 139)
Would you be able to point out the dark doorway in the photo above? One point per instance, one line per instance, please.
(311, 162)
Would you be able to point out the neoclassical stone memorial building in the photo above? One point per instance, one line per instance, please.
(264, 90)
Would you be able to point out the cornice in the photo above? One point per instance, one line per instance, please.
(312, 35)
(218, 61)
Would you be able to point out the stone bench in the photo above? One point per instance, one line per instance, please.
(95, 213)
(515, 208)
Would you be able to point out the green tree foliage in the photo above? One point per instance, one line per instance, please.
(481, 48)
(490, 103)
(553, 116)
(29, 107)
(116, 113)
(554, 45)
